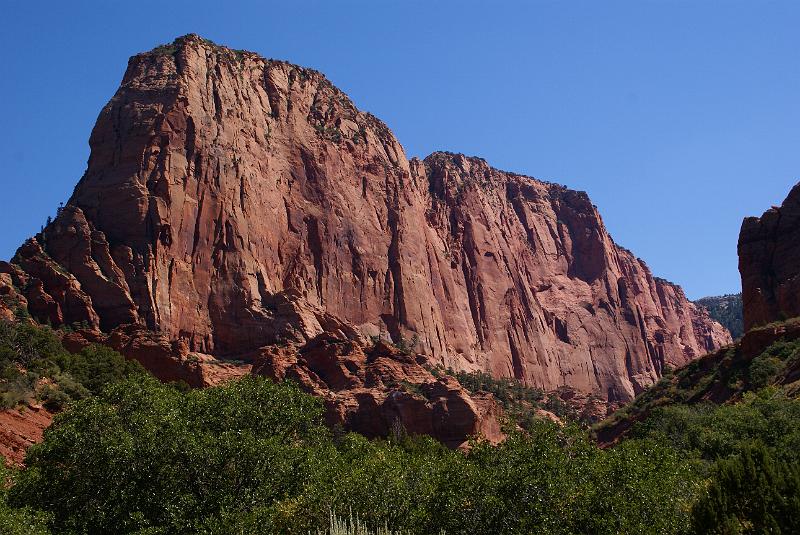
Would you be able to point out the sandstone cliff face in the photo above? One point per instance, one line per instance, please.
(219, 181)
(769, 262)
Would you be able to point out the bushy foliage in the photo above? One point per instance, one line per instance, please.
(768, 367)
(729, 374)
(132, 455)
(747, 449)
(507, 391)
(518, 400)
(718, 431)
(750, 453)
(29, 353)
(145, 455)
(751, 492)
(17, 520)
(255, 457)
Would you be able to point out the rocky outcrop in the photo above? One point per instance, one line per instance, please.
(769, 262)
(12, 302)
(20, 428)
(381, 390)
(540, 280)
(168, 360)
(373, 389)
(229, 199)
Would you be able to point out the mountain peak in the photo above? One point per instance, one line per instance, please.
(219, 181)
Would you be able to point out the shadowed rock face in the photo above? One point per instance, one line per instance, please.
(220, 182)
(769, 263)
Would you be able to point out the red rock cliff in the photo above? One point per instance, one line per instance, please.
(219, 179)
(769, 262)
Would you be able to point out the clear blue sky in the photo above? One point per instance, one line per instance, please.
(678, 117)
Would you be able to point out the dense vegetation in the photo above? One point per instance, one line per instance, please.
(34, 366)
(254, 457)
(518, 400)
(137, 456)
(727, 310)
(748, 451)
(723, 376)
(735, 417)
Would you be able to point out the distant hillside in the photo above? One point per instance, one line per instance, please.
(767, 356)
(727, 310)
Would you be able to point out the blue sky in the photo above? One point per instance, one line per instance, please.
(678, 118)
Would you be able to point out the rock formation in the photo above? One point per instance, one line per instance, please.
(233, 202)
(21, 428)
(382, 390)
(769, 262)
(372, 388)
(12, 302)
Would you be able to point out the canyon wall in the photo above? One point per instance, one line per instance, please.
(221, 184)
(769, 262)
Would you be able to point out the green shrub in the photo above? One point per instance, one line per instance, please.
(14, 520)
(29, 353)
(132, 455)
(14, 393)
(715, 432)
(518, 401)
(54, 399)
(751, 492)
(254, 457)
(763, 370)
(145, 455)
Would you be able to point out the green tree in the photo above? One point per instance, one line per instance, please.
(13, 520)
(147, 456)
(750, 493)
(29, 353)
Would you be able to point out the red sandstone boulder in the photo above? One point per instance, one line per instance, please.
(168, 360)
(20, 428)
(382, 390)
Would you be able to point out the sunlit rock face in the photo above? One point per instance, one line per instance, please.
(769, 262)
(233, 202)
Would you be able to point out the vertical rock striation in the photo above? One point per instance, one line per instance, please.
(769, 263)
(222, 185)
